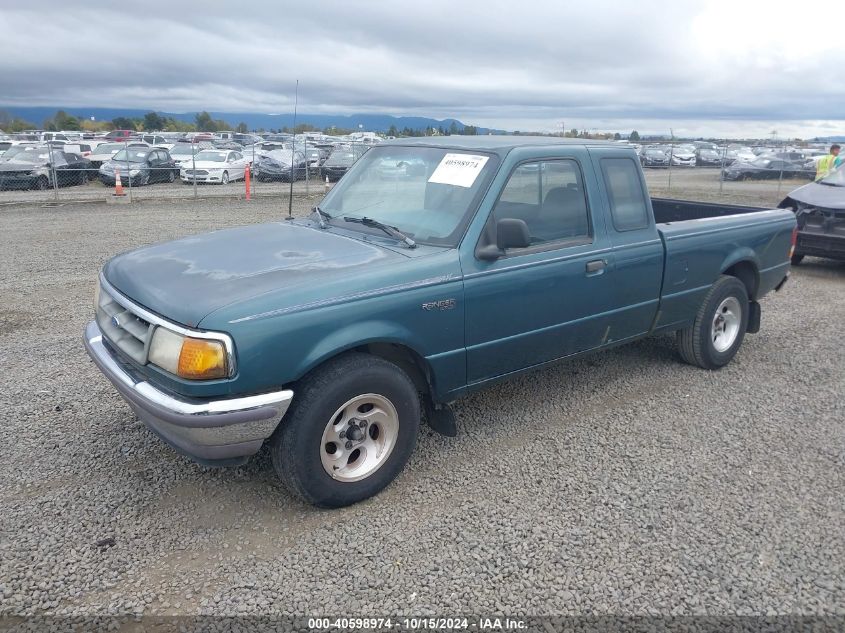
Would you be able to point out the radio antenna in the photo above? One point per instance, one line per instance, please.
(293, 153)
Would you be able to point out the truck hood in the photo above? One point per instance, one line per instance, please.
(188, 279)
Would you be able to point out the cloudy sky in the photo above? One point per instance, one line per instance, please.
(709, 67)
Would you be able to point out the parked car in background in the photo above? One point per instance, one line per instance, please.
(340, 160)
(706, 157)
(182, 153)
(820, 210)
(34, 170)
(682, 155)
(762, 168)
(17, 148)
(215, 166)
(654, 157)
(139, 166)
(104, 152)
(120, 135)
(740, 155)
(157, 140)
(276, 165)
(247, 139)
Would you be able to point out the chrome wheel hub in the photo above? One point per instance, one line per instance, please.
(359, 437)
(726, 323)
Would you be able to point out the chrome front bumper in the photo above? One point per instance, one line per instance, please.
(213, 432)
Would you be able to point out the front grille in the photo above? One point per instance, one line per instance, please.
(124, 329)
(196, 172)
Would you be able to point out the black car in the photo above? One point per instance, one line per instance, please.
(340, 160)
(276, 166)
(707, 157)
(654, 157)
(41, 168)
(763, 168)
(145, 165)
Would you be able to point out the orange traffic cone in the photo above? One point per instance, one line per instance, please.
(118, 187)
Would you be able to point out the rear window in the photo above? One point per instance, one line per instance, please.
(625, 192)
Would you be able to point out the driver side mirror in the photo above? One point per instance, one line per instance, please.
(510, 233)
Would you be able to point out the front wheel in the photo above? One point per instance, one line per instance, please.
(796, 259)
(719, 327)
(225, 178)
(349, 432)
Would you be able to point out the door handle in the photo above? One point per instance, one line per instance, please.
(596, 266)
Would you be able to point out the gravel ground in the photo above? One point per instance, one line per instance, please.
(624, 483)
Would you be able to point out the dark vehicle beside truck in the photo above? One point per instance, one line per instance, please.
(325, 336)
(820, 211)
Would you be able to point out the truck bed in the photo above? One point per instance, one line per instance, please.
(702, 238)
(670, 210)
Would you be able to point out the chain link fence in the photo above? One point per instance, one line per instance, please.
(154, 167)
(132, 169)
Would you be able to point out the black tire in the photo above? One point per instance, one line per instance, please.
(171, 176)
(42, 183)
(796, 259)
(224, 179)
(696, 344)
(83, 178)
(296, 445)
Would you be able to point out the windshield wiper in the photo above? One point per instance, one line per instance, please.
(392, 231)
(320, 215)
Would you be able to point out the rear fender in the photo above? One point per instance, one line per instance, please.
(745, 266)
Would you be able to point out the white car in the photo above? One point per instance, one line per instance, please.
(683, 156)
(215, 165)
(182, 153)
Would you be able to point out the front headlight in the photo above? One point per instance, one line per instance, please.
(134, 172)
(187, 357)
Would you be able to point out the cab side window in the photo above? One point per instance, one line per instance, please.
(549, 197)
(625, 191)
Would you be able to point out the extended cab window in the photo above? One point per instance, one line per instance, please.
(625, 191)
(549, 197)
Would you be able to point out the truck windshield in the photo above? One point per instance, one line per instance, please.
(427, 193)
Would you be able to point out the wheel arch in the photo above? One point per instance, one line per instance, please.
(397, 352)
(747, 271)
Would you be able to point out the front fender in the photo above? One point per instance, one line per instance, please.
(356, 335)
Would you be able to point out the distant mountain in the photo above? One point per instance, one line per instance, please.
(254, 121)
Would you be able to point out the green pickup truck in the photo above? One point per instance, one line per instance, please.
(434, 268)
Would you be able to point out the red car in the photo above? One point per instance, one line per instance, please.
(120, 135)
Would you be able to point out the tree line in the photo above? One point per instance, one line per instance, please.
(203, 122)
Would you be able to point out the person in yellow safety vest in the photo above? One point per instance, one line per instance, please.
(827, 163)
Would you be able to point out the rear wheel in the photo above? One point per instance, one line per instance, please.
(42, 183)
(83, 177)
(171, 176)
(719, 327)
(796, 259)
(351, 428)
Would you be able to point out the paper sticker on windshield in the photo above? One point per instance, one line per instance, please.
(459, 170)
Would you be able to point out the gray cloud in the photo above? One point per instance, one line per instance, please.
(531, 64)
